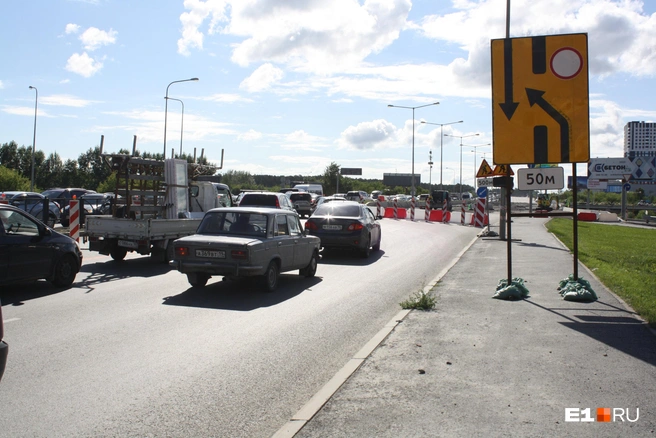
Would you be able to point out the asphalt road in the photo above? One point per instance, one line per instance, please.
(131, 350)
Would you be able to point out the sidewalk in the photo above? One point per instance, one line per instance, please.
(477, 366)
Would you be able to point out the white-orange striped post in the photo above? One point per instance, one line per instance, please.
(412, 209)
(444, 211)
(462, 213)
(427, 211)
(74, 219)
(395, 213)
(378, 206)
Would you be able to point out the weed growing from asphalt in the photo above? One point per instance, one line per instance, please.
(420, 301)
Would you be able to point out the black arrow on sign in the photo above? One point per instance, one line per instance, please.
(509, 106)
(535, 96)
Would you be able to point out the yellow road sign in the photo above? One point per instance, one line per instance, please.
(502, 170)
(540, 100)
(485, 170)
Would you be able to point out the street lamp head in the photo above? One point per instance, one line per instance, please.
(193, 79)
(32, 88)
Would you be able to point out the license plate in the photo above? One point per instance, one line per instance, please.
(210, 254)
(332, 227)
(128, 244)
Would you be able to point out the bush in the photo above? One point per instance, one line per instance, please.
(420, 300)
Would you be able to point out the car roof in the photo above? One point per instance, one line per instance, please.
(18, 192)
(258, 210)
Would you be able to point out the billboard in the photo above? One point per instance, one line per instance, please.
(581, 182)
(351, 171)
(400, 179)
(610, 168)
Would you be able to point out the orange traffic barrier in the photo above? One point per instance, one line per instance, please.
(400, 213)
(436, 216)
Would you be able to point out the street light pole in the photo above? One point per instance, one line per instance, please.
(36, 100)
(430, 172)
(441, 125)
(461, 137)
(181, 123)
(166, 108)
(476, 146)
(413, 108)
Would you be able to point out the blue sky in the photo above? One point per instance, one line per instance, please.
(289, 86)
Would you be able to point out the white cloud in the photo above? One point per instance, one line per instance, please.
(94, 38)
(262, 78)
(65, 100)
(72, 28)
(225, 98)
(83, 65)
(370, 135)
(314, 36)
(23, 111)
(250, 135)
(2, 85)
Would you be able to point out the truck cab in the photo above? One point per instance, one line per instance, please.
(206, 195)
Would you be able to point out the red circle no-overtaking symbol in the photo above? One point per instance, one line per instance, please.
(566, 63)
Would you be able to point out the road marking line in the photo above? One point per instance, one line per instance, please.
(10, 320)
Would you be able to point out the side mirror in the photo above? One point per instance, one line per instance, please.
(193, 191)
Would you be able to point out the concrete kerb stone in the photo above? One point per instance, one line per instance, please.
(314, 405)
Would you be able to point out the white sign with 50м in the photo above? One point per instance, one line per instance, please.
(543, 178)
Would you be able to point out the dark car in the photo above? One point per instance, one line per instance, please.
(437, 200)
(63, 195)
(30, 250)
(94, 204)
(302, 202)
(345, 224)
(33, 204)
(246, 242)
(4, 349)
(266, 199)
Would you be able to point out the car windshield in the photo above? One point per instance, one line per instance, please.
(228, 223)
(338, 209)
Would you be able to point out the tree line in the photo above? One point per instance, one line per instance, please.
(90, 172)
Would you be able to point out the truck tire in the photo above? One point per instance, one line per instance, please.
(118, 253)
(197, 279)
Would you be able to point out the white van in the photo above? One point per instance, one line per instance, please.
(310, 188)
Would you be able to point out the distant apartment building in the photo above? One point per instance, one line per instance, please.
(639, 139)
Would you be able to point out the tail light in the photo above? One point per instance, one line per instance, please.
(181, 251)
(277, 203)
(310, 225)
(239, 254)
(355, 226)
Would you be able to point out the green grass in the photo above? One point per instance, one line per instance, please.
(419, 300)
(623, 258)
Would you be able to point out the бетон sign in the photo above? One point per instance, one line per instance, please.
(610, 168)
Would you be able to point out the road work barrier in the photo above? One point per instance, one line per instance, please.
(440, 216)
(412, 209)
(394, 213)
(427, 211)
(74, 219)
(479, 218)
(378, 207)
(587, 216)
(462, 214)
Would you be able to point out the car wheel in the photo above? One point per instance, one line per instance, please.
(366, 251)
(376, 247)
(271, 277)
(65, 271)
(118, 253)
(197, 279)
(311, 268)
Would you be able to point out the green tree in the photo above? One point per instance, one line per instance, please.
(10, 179)
(330, 179)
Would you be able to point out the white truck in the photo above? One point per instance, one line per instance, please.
(155, 203)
